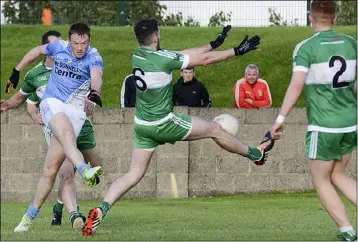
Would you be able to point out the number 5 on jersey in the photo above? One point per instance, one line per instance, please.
(139, 82)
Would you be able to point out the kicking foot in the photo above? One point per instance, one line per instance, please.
(93, 220)
(57, 217)
(24, 225)
(90, 174)
(265, 146)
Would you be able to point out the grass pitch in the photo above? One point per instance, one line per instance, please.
(294, 216)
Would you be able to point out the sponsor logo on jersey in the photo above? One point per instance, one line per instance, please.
(67, 69)
(42, 78)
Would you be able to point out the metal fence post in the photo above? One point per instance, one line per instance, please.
(308, 12)
(122, 12)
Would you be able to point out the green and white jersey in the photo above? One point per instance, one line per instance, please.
(329, 59)
(35, 83)
(153, 76)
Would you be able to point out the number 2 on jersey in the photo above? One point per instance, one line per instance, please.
(336, 83)
(139, 82)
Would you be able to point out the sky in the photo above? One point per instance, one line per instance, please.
(244, 13)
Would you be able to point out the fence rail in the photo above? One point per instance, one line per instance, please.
(172, 13)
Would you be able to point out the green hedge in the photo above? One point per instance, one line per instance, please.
(116, 45)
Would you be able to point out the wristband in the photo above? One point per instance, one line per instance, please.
(280, 119)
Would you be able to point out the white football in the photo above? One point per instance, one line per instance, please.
(228, 123)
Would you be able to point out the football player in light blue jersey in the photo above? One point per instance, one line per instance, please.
(77, 70)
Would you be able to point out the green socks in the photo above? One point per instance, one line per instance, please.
(105, 208)
(253, 154)
(73, 215)
(59, 206)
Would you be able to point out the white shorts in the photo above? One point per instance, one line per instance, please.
(51, 106)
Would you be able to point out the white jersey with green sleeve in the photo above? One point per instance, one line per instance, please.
(153, 75)
(35, 82)
(330, 60)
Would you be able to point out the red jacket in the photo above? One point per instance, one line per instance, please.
(259, 92)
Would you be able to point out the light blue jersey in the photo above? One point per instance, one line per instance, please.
(70, 76)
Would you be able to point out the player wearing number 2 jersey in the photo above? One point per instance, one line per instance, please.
(325, 65)
(155, 121)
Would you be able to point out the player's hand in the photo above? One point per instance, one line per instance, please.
(94, 97)
(276, 130)
(221, 37)
(89, 107)
(247, 45)
(37, 118)
(13, 80)
(4, 106)
(249, 101)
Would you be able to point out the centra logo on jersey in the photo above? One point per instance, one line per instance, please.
(67, 73)
(66, 69)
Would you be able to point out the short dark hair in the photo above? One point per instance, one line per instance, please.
(45, 36)
(324, 9)
(144, 28)
(188, 68)
(80, 29)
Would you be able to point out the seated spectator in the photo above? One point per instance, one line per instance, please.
(251, 91)
(128, 92)
(188, 91)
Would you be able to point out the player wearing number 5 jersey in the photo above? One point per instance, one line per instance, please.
(325, 64)
(155, 121)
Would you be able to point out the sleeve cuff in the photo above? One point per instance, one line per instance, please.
(31, 102)
(300, 68)
(185, 62)
(24, 93)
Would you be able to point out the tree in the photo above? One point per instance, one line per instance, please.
(173, 20)
(219, 19)
(190, 22)
(277, 20)
(29, 12)
(347, 13)
(92, 12)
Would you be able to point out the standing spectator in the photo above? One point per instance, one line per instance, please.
(251, 91)
(188, 91)
(128, 91)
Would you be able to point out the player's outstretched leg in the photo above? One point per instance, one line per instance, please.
(63, 130)
(321, 172)
(54, 159)
(348, 186)
(140, 160)
(202, 129)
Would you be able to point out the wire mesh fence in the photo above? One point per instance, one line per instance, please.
(172, 13)
(242, 13)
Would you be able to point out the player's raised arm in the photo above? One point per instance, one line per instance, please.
(209, 46)
(216, 56)
(31, 56)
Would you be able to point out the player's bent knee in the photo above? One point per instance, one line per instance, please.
(50, 172)
(215, 129)
(67, 177)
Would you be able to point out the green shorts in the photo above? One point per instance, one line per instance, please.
(329, 146)
(149, 135)
(85, 140)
